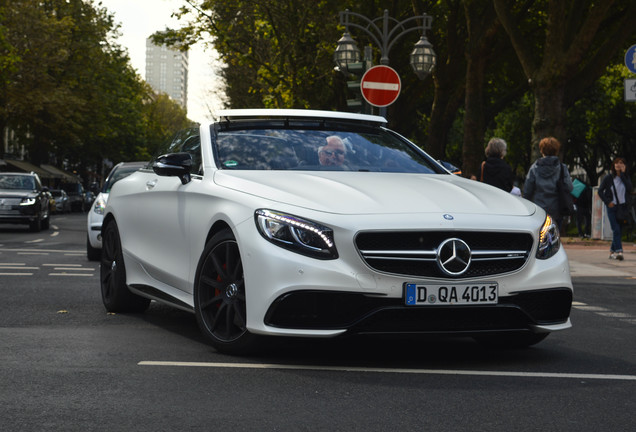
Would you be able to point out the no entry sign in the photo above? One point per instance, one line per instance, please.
(380, 86)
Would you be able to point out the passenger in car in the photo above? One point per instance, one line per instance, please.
(333, 153)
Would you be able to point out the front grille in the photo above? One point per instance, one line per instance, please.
(414, 253)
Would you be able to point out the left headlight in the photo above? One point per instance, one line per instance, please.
(27, 201)
(296, 234)
(549, 239)
(100, 205)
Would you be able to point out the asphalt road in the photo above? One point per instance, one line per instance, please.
(67, 365)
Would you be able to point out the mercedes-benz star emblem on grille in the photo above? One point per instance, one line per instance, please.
(453, 256)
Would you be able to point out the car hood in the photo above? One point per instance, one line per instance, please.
(10, 193)
(375, 193)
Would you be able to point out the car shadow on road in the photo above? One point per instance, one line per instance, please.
(435, 352)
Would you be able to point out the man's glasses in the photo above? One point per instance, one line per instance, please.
(334, 152)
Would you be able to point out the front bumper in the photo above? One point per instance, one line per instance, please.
(536, 311)
(292, 295)
(25, 215)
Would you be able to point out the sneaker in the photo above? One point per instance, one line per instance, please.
(613, 255)
(619, 256)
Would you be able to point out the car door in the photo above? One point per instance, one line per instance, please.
(157, 215)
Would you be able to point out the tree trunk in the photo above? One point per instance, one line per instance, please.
(549, 116)
(438, 129)
(473, 148)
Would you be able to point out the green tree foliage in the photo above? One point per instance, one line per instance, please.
(601, 126)
(163, 119)
(68, 92)
(505, 68)
(277, 54)
(564, 51)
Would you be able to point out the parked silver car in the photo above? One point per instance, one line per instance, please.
(96, 212)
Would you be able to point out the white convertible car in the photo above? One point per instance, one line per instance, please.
(324, 224)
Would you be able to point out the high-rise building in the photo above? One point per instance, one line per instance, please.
(167, 72)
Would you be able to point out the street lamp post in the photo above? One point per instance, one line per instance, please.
(422, 57)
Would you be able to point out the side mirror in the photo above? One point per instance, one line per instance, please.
(174, 165)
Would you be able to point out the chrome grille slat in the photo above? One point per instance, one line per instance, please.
(489, 255)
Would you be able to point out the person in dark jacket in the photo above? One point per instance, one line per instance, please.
(616, 188)
(540, 186)
(494, 171)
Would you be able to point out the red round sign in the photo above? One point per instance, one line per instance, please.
(380, 86)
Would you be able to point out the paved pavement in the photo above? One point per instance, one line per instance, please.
(591, 258)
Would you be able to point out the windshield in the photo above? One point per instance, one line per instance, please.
(369, 149)
(17, 182)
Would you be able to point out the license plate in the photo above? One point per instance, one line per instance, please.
(451, 295)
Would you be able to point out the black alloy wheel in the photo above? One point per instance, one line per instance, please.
(219, 296)
(115, 293)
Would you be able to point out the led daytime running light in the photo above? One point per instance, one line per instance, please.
(296, 223)
(544, 229)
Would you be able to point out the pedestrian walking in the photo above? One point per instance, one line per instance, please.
(615, 191)
(541, 185)
(494, 170)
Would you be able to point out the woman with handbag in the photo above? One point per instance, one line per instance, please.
(548, 180)
(615, 191)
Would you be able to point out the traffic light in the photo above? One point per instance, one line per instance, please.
(357, 103)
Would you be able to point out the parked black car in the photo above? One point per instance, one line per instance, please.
(23, 200)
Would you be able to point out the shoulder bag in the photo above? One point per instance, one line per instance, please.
(566, 201)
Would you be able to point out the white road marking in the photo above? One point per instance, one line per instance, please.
(55, 234)
(43, 250)
(398, 370)
(62, 265)
(16, 274)
(72, 274)
(604, 312)
(35, 241)
(17, 267)
(74, 268)
(33, 253)
(593, 308)
(614, 314)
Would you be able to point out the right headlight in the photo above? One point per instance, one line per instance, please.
(296, 234)
(549, 239)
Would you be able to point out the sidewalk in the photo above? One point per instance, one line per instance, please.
(591, 258)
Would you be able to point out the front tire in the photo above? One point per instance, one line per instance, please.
(93, 254)
(115, 293)
(219, 297)
(36, 224)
